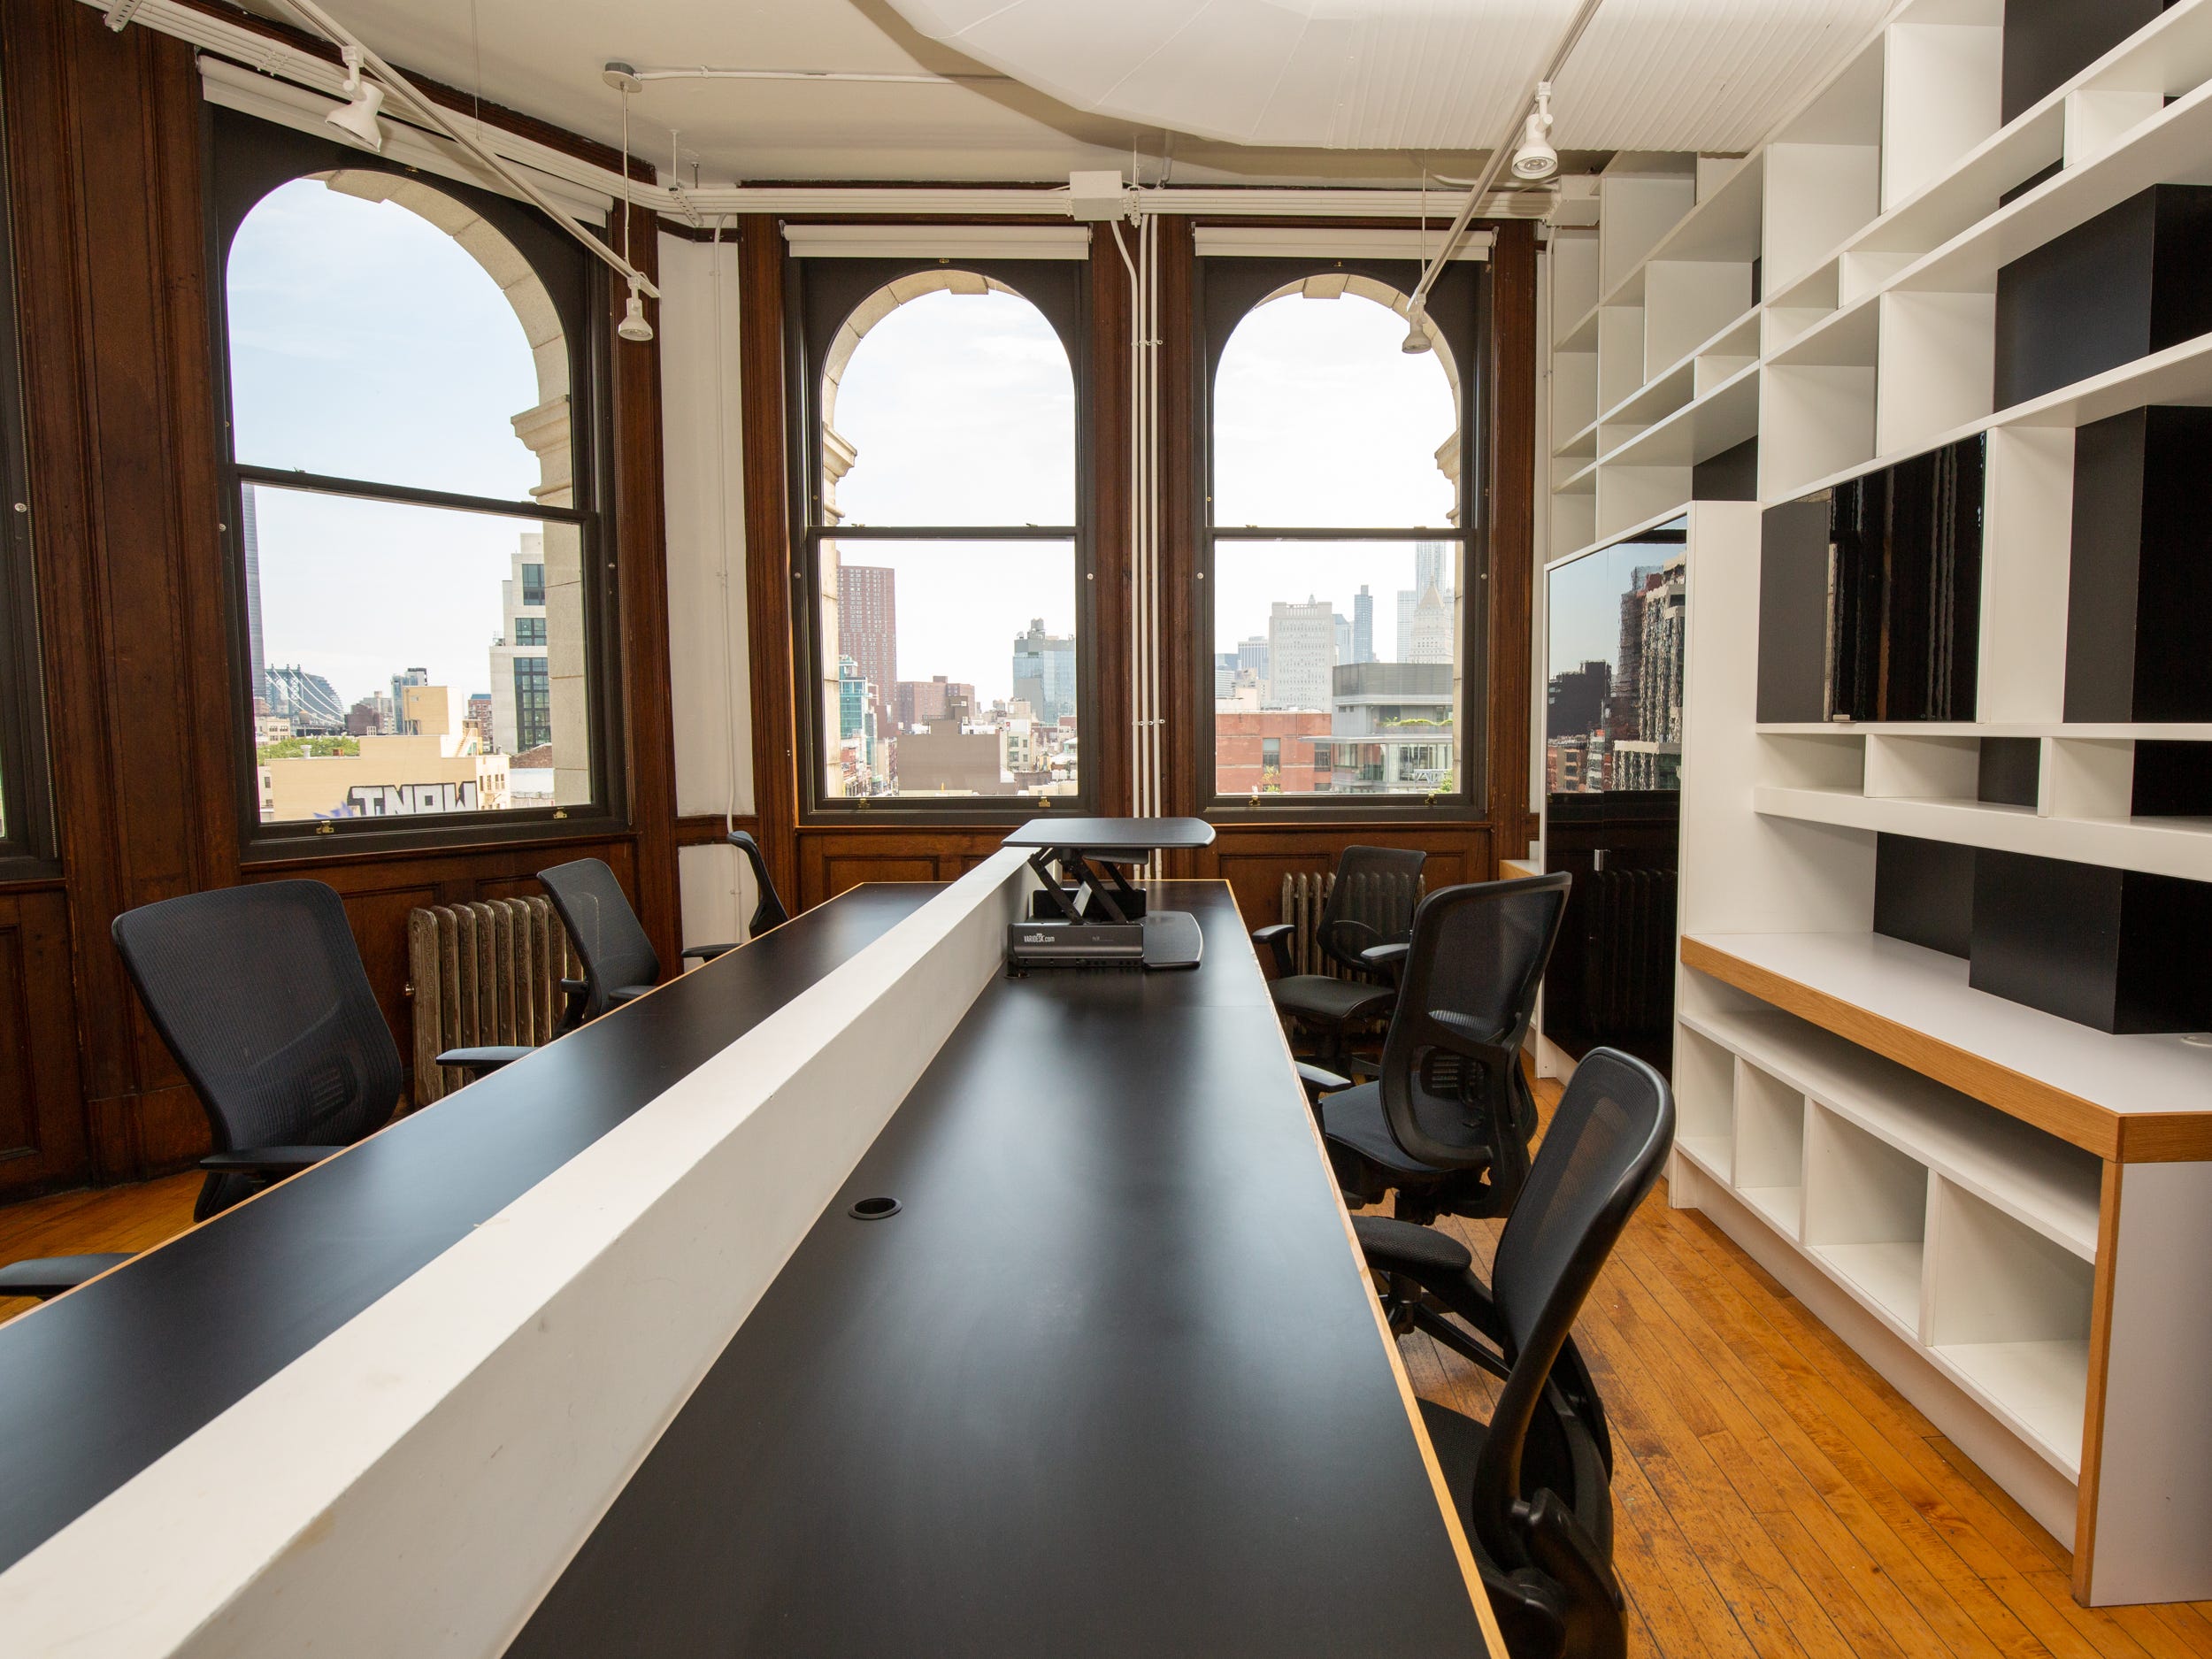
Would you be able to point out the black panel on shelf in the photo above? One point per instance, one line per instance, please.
(1905, 595)
(2047, 43)
(2127, 283)
(1731, 475)
(2115, 950)
(2010, 773)
(1924, 892)
(2007, 198)
(1793, 610)
(2140, 590)
(2172, 779)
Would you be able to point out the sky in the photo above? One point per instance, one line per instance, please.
(961, 410)
(1582, 608)
(365, 342)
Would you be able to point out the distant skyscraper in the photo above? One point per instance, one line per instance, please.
(1432, 567)
(522, 691)
(249, 538)
(1251, 654)
(1363, 625)
(868, 630)
(1301, 652)
(1407, 599)
(1044, 671)
(1343, 638)
(1431, 630)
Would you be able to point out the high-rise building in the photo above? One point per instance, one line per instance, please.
(1621, 718)
(1407, 599)
(933, 700)
(868, 630)
(1343, 638)
(1363, 625)
(249, 540)
(1431, 640)
(1252, 658)
(1431, 568)
(522, 707)
(1301, 652)
(1044, 671)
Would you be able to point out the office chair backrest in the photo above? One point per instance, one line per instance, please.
(258, 991)
(769, 913)
(1466, 996)
(1599, 1159)
(1370, 903)
(609, 940)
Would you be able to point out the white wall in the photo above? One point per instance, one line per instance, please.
(712, 685)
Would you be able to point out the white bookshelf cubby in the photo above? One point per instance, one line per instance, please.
(2002, 1210)
(1769, 1148)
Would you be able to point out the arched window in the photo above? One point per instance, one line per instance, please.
(946, 618)
(414, 549)
(1343, 591)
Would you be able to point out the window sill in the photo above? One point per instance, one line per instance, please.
(277, 847)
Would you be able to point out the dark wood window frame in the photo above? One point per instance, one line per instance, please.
(1223, 290)
(247, 158)
(28, 849)
(814, 309)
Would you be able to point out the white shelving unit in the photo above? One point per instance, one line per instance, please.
(2007, 1213)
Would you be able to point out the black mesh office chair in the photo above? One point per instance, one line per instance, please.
(1369, 910)
(619, 961)
(1534, 1484)
(769, 913)
(1449, 1120)
(259, 993)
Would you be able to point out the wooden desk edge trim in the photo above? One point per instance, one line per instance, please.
(1453, 1528)
(2127, 1138)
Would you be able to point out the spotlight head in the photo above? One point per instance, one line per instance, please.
(361, 121)
(1536, 159)
(1416, 341)
(633, 325)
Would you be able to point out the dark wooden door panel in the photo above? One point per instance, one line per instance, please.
(43, 1143)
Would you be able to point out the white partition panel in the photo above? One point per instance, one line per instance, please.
(420, 1477)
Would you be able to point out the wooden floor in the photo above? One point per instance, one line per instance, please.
(1773, 1496)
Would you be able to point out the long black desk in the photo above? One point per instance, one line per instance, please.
(97, 1386)
(1109, 1381)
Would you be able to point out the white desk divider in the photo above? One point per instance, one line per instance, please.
(415, 1482)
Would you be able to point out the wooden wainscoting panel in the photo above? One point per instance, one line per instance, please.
(42, 1128)
(835, 858)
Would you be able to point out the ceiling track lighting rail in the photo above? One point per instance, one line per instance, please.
(637, 77)
(1529, 138)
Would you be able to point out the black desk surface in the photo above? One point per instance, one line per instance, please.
(1108, 1383)
(98, 1384)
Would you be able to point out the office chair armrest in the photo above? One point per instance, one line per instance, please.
(1319, 1082)
(277, 1161)
(1277, 939)
(622, 994)
(1389, 959)
(707, 953)
(575, 994)
(49, 1276)
(483, 1061)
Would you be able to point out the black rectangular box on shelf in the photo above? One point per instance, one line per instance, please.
(2047, 43)
(1731, 475)
(2128, 283)
(2139, 591)
(2010, 771)
(2172, 781)
(2116, 949)
(1870, 595)
(1924, 892)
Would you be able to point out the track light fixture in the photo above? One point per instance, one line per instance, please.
(361, 119)
(1416, 340)
(633, 325)
(1536, 159)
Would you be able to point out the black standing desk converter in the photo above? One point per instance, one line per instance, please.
(1088, 913)
(1109, 1381)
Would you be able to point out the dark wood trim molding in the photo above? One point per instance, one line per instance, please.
(1510, 529)
(768, 583)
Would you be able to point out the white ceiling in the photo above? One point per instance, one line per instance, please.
(1344, 90)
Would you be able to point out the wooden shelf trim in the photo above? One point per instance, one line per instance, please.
(2155, 1137)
